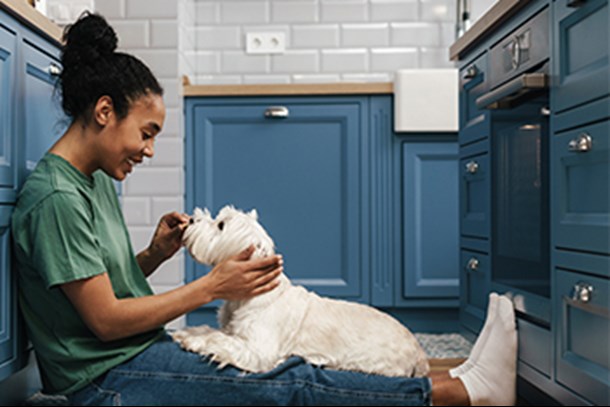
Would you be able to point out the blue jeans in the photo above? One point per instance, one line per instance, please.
(164, 374)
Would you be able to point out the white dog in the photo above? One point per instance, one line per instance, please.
(258, 334)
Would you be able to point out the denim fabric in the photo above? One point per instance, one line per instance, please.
(164, 374)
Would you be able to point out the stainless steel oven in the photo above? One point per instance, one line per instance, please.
(519, 101)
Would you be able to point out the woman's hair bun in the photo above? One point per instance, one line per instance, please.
(90, 37)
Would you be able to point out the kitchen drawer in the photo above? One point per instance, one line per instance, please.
(581, 52)
(474, 123)
(583, 326)
(581, 189)
(475, 269)
(535, 346)
(475, 193)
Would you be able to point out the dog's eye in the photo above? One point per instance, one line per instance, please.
(221, 225)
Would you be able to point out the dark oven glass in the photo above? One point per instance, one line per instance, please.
(520, 209)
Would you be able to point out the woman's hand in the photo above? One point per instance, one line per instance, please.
(166, 241)
(240, 278)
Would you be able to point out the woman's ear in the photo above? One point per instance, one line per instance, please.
(103, 110)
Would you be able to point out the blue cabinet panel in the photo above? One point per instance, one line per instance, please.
(45, 120)
(8, 303)
(475, 193)
(583, 320)
(302, 174)
(581, 194)
(430, 218)
(474, 122)
(385, 201)
(475, 269)
(582, 43)
(8, 66)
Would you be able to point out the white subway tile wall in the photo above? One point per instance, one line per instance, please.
(340, 39)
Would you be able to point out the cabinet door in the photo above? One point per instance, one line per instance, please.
(8, 304)
(475, 269)
(582, 335)
(581, 49)
(302, 174)
(474, 122)
(581, 189)
(45, 121)
(8, 80)
(430, 216)
(475, 193)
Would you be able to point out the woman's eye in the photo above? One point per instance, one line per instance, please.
(221, 225)
(146, 136)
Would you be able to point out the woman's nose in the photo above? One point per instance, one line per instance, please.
(149, 151)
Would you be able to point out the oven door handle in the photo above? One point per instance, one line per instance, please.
(509, 94)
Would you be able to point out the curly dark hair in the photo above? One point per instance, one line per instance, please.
(92, 68)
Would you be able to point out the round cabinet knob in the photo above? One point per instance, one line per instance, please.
(473, 264)
(581, 144)
(582, 292)
(277, 112)
(472, 167)
(54, 70)
(471, 72)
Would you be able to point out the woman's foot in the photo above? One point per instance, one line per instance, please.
(481, 340)
(492, 379)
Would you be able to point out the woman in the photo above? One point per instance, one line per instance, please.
(96, 326)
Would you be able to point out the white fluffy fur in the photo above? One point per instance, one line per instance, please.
(258, 334)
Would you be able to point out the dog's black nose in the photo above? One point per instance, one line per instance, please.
(191, 221)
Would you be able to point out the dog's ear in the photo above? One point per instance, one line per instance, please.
(253, 214)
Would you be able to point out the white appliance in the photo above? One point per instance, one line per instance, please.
(426, 100)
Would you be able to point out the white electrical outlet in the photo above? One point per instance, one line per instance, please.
(266, 43)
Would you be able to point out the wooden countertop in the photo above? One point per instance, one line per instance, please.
(496, 15)
(34, 19)
(342, 88)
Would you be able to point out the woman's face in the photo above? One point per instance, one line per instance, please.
(126, 142)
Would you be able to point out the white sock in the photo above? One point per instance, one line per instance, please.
(492, 380)
(480, 342)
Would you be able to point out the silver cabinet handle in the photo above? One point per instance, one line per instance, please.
(472, 167)
(471, 72)
(581, 144)
(54, 70)
(277, 112)
(582, 292)
(473, 264)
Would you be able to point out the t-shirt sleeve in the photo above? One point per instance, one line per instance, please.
(64, 245)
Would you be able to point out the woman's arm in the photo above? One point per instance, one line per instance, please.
(111, 318)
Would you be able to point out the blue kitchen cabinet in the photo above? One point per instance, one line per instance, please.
(430, 221)
(359, 212)
(8, 71)
(581, 192)
(413, 217)
(299, 169)
(474, 122)
(583, 351)
(8, 302)
(45, 120)
(28, 115)
(581, 50)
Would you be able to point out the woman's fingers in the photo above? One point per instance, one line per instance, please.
(265, 263)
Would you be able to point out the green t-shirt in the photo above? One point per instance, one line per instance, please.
(67, 226)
